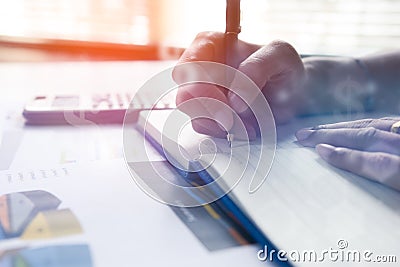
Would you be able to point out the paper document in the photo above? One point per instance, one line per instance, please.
(306, 204)
(193, 152)
(94, 214)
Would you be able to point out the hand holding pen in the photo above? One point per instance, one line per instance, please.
(293, 87)
(276, 69)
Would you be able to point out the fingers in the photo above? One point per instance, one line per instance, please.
(381, 124)
(205, 100)
(201, 98)
(368, 139)
(210, 127)
(377, 166)
(364, 147)
(277, 62)
(277, 65)
(208, 46)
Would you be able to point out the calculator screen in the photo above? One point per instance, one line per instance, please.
(66, 101)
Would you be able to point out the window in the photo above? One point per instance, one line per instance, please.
(312, 26)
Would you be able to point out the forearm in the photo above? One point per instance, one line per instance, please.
(341, 84)
(332, 85)
(384, 72)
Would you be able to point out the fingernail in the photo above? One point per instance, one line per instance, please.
(303, 134)
(179, 74)
(237, 103)
(318, 127)
(224, 119)
(205, 126)
(324, 150)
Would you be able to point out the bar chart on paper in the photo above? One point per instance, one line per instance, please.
(36, 215)
(64, 144)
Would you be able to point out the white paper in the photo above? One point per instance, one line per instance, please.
(306, 204)
(121, 224)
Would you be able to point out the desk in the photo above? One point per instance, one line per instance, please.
(20, 82)
(156, 235)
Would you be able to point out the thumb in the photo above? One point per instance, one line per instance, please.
(266, 64)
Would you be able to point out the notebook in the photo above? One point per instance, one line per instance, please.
(305, 205)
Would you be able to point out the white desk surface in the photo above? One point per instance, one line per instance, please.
(30, 147)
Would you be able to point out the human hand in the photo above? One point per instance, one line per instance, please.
(365, 147)
(276, 69)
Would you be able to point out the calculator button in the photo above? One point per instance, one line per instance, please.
(120, 101)
(100, 100)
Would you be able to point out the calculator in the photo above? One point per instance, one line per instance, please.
(104, 108)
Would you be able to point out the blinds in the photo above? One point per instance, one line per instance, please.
(321, 26)
(312, 26)
(120, 21)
